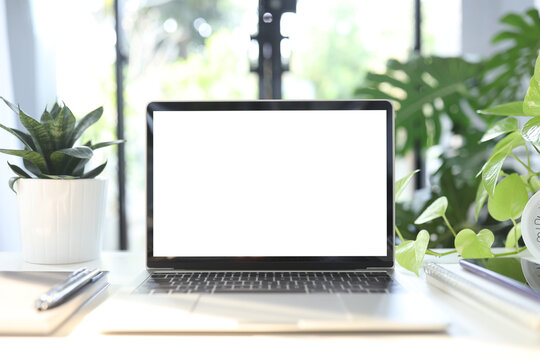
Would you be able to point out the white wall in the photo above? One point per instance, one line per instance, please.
(27, 78)
(481, 22)
(9, 234)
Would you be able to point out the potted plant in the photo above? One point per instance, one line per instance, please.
(61, 206)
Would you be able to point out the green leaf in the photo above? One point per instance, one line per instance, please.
(77, 168)
(62, 159)
(509, 199)
(57, 177)
(12, 182)
(491, 171)
(534, 182)
(107, 143)
(18, 136)
(410, 254)
(499, 128)
(84, 123)
(12, 106)
(492, 168)
(95, 172)
(61, 128)
(509, 109)
(531, 131)
(46, 120)
(434, 211)
(531, 104)
(55, 110)
(402, 183)
(39, 134)
(80, 152)
(513, 236)
(68, 125)
(515, 20)
(526, 179)
(17, 170)
(509, 143)
(481, 196)
(59, 162)
(31, 167)
(428, 90)
(470, 245)
(27, 138)
(31, 156)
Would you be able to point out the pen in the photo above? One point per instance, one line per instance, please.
(59, 294)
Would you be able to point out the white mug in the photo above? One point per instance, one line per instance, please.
(530, 225)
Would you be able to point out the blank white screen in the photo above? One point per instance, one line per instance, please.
(270, 183)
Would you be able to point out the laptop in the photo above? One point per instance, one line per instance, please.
(270, 216)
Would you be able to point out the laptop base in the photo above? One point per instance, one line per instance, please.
(231, 313)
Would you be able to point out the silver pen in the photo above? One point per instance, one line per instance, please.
(74, 283)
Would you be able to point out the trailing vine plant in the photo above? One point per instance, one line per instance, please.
(506, 193)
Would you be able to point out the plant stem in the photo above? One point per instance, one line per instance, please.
(535, 148)
(515, 234)
(399, 234)
(511, 252)
(522, 163)
(449, 226)
(431, 252)
(528, 158)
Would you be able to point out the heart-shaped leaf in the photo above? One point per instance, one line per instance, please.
(531, 131)
(499, 128)
(513, 236)
(470, 245)
(402, 183)
(508, 109)
(435, 210)
(410, 254)
(509, 199)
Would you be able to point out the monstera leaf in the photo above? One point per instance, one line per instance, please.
(424, 90)
(516, 63)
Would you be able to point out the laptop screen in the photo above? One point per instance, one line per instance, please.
(278, 183)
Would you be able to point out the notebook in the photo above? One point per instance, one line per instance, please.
(20, 289)
(486, 294)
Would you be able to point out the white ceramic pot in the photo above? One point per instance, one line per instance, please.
(61, 221)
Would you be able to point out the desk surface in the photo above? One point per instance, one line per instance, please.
(474, 331)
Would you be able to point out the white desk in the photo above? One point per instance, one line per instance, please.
(473, 332)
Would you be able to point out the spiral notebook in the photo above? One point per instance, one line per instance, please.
(476, 290)
(20, 289)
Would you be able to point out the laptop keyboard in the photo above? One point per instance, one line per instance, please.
(268, 282)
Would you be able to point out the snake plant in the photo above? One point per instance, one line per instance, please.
(49, 145)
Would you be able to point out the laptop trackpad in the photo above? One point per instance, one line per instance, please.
(271, 308)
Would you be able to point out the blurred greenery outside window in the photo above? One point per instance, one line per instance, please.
(201, 50)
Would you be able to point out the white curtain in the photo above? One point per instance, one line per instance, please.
(9, 234)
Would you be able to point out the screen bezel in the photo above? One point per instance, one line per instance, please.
(272, 263)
